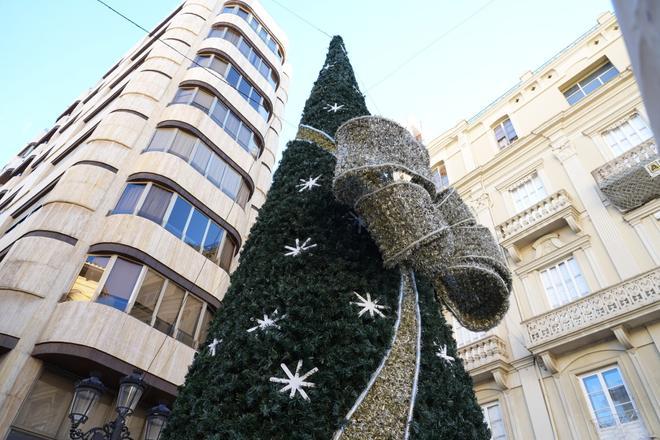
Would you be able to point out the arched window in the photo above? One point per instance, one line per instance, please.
(258, 27)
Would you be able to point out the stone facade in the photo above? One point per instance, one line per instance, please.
(68, 304)
(581, 338)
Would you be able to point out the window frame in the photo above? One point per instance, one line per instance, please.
(618, 127)
(484, 410)
(553, 302)
(611, 406)
(443, 178)
(235, 8)
(244, 186)
(112, 258)
(256, 139)
(585, 75)
(501, 125)
(520, 183)
(216, 259)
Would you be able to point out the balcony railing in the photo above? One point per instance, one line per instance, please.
(604, 305)
(625, 181)
(483, 352)
(555, 210)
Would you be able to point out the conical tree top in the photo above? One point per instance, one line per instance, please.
(335, 96)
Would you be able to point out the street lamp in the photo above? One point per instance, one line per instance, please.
(87, 394)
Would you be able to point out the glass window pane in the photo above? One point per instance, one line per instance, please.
(120, 283)
(188, 322)
(245, 89)
(162, 139)
(216, 170)
(204, 329)
(219, 112)
(47, 406)
(196, 229)
(201, 158)
(244, 137)
(169, 308)
(244, 15)
(145, 303)
(178, 217)
(203, 100)
(212, 241)
(264, 70)
(228, 250)
(232, 124)
(612, 378)
(128, 200)
(202, 60)
(609, 74)
(575, 97)
(183, 145)
(85, 285)
(232, 36)
(231, 183)
(219, 65)
(183, 96)
(217, 33)
(244, 48)
(155, 204)
(233, 77)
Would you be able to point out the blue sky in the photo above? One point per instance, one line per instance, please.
(54, 50)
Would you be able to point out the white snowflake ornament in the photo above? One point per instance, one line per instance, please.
(334, 108)
(369, 306)
(328, 66)
(442, 353)
(295, 382)
(308, 184)
(267, 323)
(298, 248)
(212, 346)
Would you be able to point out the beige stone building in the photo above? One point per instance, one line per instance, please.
(555, 167)
(120, 225)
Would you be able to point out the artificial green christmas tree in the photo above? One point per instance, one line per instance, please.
(315, 338)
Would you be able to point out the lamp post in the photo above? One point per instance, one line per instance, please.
(87, 395)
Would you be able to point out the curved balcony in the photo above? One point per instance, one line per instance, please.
(194, 117)
(633, 178)
(155, 241)
(197, 75)
(631, 302)
(83, 333)
(486, 357)
(543, 217)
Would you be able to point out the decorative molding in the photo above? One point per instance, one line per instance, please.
(596, 308)
(52, 235)
(622, 335)
(480, 202)
(487, 350)
(541, 245)
(131, 111)
(563, 150)
(514, 180)
(549, 362)
(96, 163)
(580, 242)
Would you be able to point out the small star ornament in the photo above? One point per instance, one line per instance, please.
(295, 382)
(368, 305)
(308, 184)
(328, 66)
(357, 221)
(442, 354)
(267, 323)
(334, 108)
(212, 346)
(298, 248)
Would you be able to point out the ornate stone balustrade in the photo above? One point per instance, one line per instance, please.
(625, 179)
(597, 310)
(537, 220)
(630, 159)
(484, 351)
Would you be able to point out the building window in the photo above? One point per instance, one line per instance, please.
(527, 192)
(493, 418)
(612, 407)
(180, 218)
(504, 133)
(144, 294)
(44, 412)
(237, 80)
(439, 176)
(258, 28)
(464, 336)
(590, 83)
(233, 125)
(564, 282)
(248, 51)
(627, 135)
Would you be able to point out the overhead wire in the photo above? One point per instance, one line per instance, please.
(211, 71)
(429, 45)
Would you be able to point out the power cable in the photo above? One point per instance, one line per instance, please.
(429, 45)
(212, 72)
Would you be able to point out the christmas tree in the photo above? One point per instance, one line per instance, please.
(315, 338)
